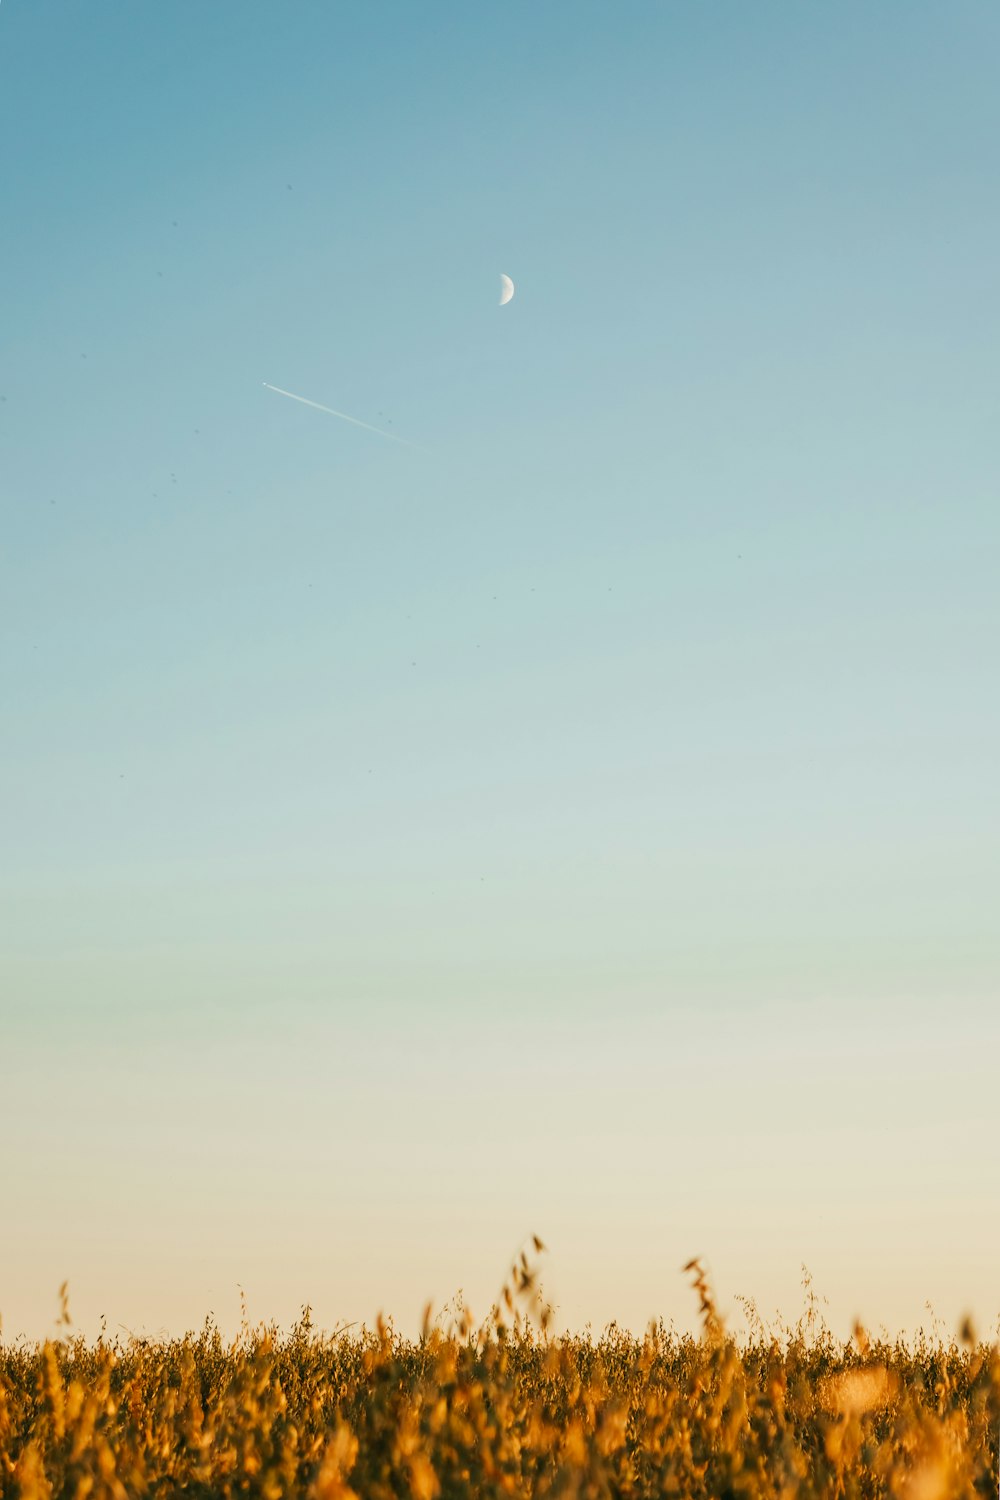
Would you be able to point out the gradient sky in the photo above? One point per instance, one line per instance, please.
(583, 821)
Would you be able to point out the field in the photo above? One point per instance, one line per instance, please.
(503, 1409)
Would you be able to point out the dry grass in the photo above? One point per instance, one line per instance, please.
(501, 1409)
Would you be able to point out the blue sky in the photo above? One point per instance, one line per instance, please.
(583, 817)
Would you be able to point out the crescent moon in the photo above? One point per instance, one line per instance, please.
(506, 289)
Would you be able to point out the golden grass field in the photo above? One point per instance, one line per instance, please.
(503, 1409)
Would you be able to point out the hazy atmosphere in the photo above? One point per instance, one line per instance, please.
(579, 817)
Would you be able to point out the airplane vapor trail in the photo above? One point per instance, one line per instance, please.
(355, 421)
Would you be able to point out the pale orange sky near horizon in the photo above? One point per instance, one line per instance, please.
(629, 1149)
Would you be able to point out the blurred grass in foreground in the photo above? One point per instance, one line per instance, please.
(502, 1409)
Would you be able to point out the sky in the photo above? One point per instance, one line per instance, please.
(581, 818)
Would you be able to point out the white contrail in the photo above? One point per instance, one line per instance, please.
(355, 421)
